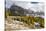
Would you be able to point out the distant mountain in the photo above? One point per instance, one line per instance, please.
(17, 11)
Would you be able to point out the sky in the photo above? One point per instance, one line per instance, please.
(25, 4)
(10, 2)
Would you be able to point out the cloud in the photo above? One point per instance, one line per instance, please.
(23, 3)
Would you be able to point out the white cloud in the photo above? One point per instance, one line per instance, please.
(24, 4)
